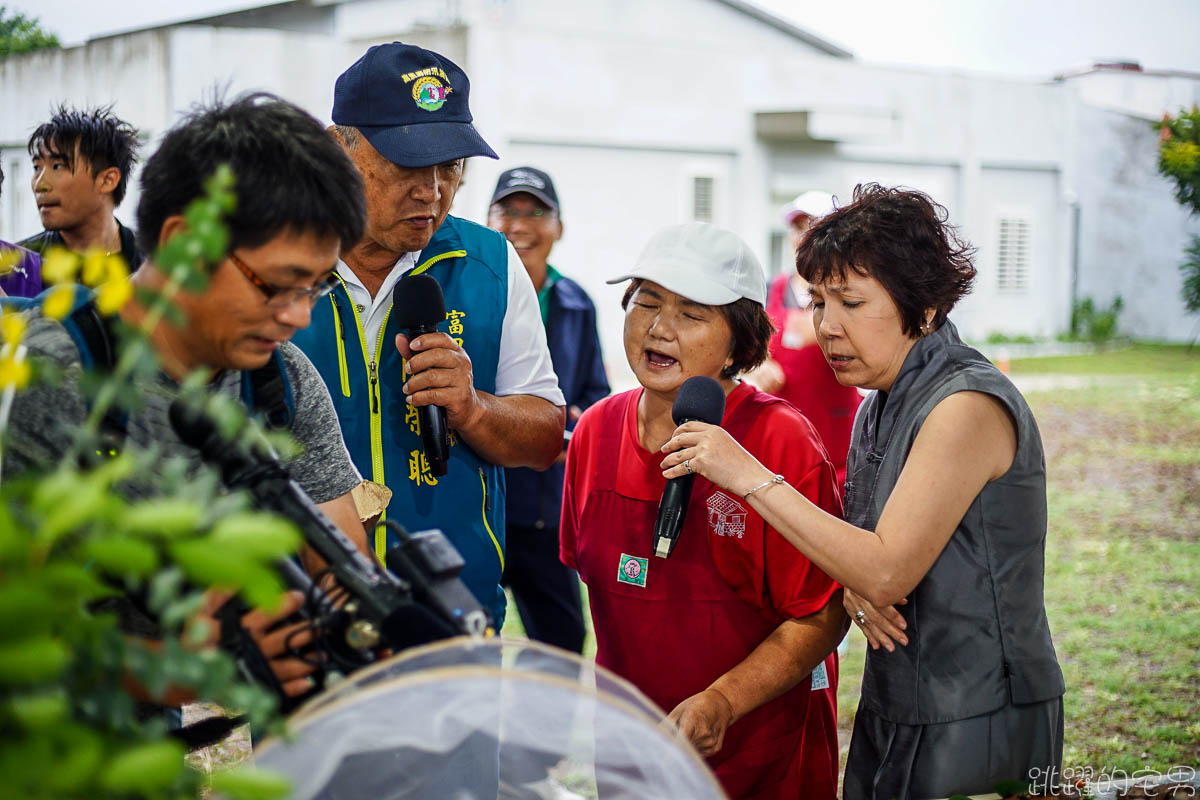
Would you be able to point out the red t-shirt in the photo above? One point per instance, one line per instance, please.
(673, 626)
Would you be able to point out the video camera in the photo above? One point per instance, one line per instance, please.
(366, 609)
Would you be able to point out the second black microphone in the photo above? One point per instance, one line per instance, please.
(419, 307)
(700, 399)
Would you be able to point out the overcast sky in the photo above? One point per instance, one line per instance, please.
(1034, 38)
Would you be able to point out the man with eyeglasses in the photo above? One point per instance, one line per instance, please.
(525, 208)
(299, 201)
(401, 113)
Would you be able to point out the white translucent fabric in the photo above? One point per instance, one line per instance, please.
(487, 719)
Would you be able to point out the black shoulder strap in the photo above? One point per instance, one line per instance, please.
(95, 337)
(266, 391)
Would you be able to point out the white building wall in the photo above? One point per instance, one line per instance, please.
(205, 61)
(625, 102)
(1145, 95)
(1132, 231)
(1040, 308)
(150, 78)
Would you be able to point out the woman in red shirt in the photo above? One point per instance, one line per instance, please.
(733, 633)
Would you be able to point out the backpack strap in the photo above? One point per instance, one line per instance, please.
(95, 338)
(267, 393)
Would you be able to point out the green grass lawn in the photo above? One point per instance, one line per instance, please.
(1145, 359)
(1123, 555)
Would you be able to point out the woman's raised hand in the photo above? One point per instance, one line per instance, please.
(697, 447)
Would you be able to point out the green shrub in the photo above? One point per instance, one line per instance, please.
(999, 337)
(1092, 324)
(1179, 160)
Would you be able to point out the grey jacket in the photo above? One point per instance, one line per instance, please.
(978, 636)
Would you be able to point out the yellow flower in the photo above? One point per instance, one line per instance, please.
(13, 372)
(59, 265)
(1181, 157)
(115, 267)
(94, 262)
(9, 258)
(112, 294)
(59, 301)
(12, 328)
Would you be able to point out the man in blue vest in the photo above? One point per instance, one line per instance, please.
(401, 114)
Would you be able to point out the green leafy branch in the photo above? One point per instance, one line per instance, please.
(1179, 160)
(74, 546)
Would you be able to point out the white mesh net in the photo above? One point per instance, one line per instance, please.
(485, 719)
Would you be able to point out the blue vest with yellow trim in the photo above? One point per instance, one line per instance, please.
(381, 430)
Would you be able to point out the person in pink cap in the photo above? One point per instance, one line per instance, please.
(796, 370)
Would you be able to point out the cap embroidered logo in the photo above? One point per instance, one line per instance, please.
(429, 93)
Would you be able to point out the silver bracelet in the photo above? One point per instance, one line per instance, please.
(764, 484)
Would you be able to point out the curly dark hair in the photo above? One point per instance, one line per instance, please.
(901, 238)
(751, 327)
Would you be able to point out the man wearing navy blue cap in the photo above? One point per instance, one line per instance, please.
(402, 115)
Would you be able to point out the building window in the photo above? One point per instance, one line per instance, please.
(702, 198)
(1012, 253)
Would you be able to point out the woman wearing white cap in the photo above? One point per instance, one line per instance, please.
(943, 545)
(734, 632)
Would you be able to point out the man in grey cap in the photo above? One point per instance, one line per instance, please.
(526, 210)
(402, 115)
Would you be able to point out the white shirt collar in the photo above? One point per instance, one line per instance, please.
(373, 310)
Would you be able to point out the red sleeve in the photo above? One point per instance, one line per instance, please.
(794, 585)
(576, 484)
(777, 312)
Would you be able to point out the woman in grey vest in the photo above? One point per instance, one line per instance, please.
(943, 546)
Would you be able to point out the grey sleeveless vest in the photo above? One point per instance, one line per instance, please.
(977, 630)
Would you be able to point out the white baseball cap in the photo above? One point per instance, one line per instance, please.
(701, 262)
(813, 203)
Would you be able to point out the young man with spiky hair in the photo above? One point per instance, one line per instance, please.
(81, 164)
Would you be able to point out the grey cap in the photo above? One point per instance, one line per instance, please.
(701, 262)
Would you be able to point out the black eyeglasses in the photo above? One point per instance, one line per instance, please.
(281, 296)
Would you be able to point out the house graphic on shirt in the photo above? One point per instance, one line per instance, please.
(726, 516)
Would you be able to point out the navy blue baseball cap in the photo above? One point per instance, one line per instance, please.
(529, 180)
(410, 104)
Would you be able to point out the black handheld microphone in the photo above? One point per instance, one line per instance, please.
(419, 307)
(700, 399)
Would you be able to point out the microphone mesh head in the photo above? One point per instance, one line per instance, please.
(417, 302)
(699, 398)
